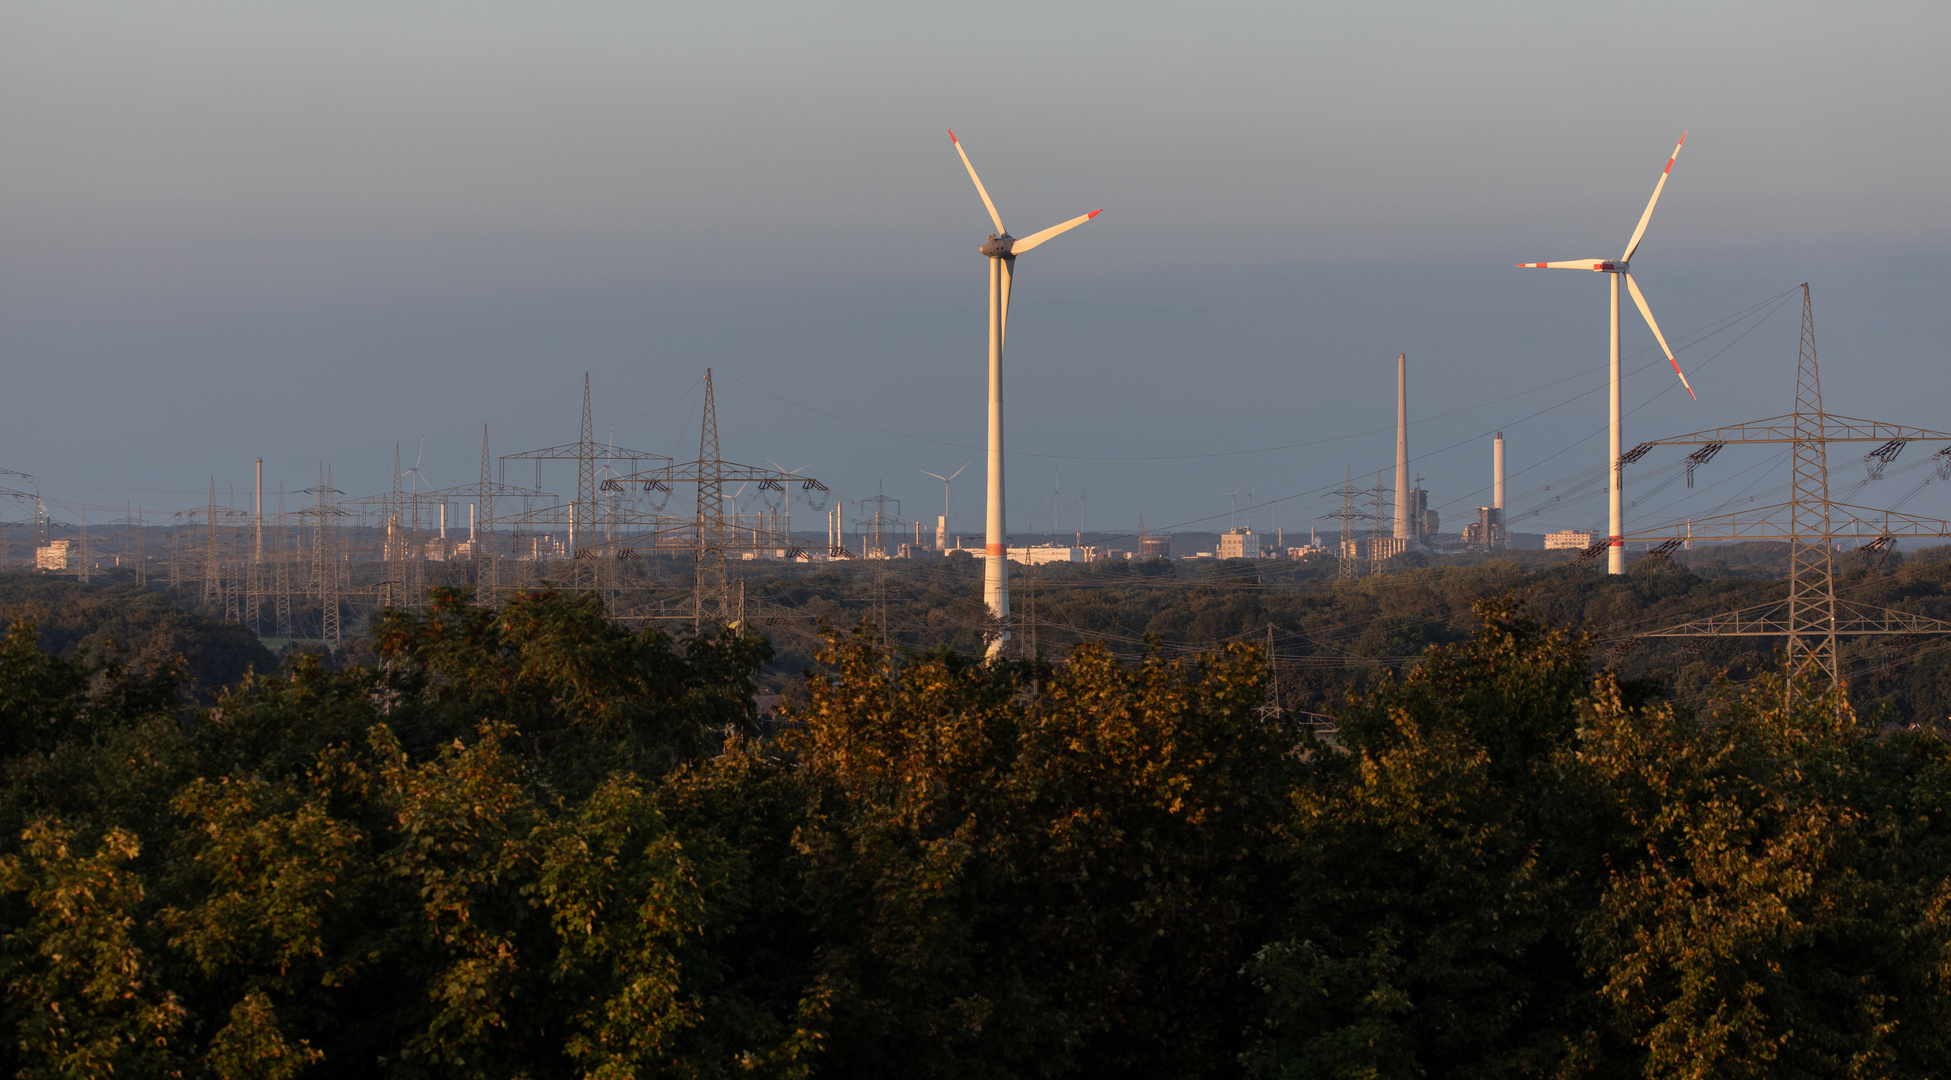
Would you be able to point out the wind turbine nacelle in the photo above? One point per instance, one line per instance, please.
(997, 247)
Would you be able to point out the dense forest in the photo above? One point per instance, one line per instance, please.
(1334, 636)
(525, 841)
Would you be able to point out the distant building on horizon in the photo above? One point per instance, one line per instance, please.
(1239, 543)
(1387, 547)
(1048, 553)
(1569, 539)
(57, 555)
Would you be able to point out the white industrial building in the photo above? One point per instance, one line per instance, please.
(57, 555)
(1239, 543)
(1048, 553)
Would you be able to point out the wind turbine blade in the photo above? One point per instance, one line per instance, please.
(1640, 299)
(1032, 240)
(980, 190)
(1633, 244)
(1570, 264)
(1009, 273)
(958, 472)
(937, 476)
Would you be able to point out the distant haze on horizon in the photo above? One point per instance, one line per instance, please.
(311, 231)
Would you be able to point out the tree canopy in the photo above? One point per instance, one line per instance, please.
(526, 842)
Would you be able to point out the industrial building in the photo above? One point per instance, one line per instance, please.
(1239, 543)
(57, 555)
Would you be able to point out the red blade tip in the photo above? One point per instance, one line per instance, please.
(951, 136)
(1093, 213)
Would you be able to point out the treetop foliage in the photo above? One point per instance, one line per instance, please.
(525, 842)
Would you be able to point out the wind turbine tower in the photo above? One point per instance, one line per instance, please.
(1001, 250)
(1615, 269)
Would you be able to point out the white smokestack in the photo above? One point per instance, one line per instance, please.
(1497, 473)
(1402, 530)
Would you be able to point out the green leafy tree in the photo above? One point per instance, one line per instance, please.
(1033, 870)
(1779, 905)
(83, 991)
(1437, 853)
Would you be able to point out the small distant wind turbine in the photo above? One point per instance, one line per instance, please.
(948, 492)
(793, 472)
(414, 477)
(1616, 557)
(1233, 507)
(1002, 250)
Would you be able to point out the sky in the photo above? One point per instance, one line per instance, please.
(309, 232)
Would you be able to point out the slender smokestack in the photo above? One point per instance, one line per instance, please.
(1497, 473)
(1402, 530)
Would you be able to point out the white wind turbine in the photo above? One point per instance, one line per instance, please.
(948, 490)
(1616, 524)
(1002, 250)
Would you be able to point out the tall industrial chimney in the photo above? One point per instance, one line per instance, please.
(1497, 473)
(1402, 531)
(1496, 493)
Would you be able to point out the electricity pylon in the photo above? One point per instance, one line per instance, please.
(325, 514)
(281, 563)
(1810, 617)
(582, 517)
(1348, 516)
(712, 533)
(484, 553)
(1380, 526)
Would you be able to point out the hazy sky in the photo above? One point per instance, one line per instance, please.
(308, 231)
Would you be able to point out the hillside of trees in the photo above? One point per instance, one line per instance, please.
(141, 627)
(527, 842)
(1333, 637)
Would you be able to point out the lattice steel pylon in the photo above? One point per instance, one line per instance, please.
(1270, 709)
(394, 589)
(582, 516)
(710, 534)
(281, 563)
(213, 587)
(1348, 563)
(711, 586)
(325, 513)
(1380, 525)
(486, 575)
(881, 519)
(1811, 559)
(1811, 617)
(486, 555)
